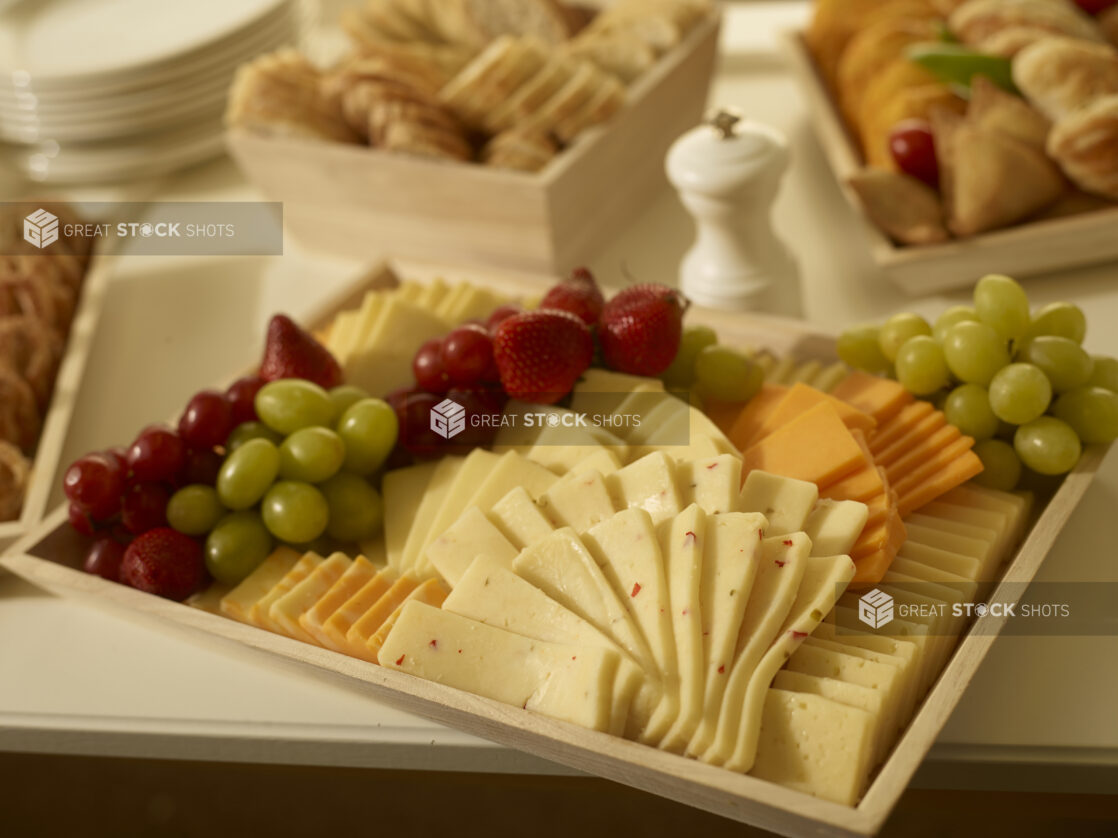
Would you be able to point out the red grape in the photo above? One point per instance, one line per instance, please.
(95, 483)
(120, 454)
(207, 420)
(201, 466)
(157, 454)
(479, 402)
(104, 558)
(500, 314)
(914, 150)
(241, 396)
(144, 507)
(415, 426)
(80, 520)
(428, 369)
(467, 356)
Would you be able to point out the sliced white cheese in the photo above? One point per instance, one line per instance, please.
(433, 498)
(648, 484)
(404, 490)
(815, 745)
(603, 391)
(784, 502)
(579, 501)
(474, 303)
(903, 709)
(510, 471)
(563, 459)
(492, 594)
(519, 518)
(471, 536)
(980, 548)
(926, 573)
(848, 625)
(998, 522)
(834, 526)
(965, 566)
(682, 544)
(853, 695)
(570, 683)
(409, 290)
(711, 482)
(432, 295)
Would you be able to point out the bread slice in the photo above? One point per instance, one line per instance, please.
(520, 149)
(491, 63)
(569, 100)
(425, 141)
(543, 19)
(600, 107)
(385, 17)
(620, 53)
(528, 58)
(531, 95)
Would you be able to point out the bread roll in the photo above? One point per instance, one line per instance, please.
(904, 207)
(1059, 75)
(975, 21)
(1085, 145)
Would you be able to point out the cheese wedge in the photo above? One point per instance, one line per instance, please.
(648, 484)
(508, 472)
(815, 446)
(834, 526)
(261, 613)
(579, 501)
(824, 577)
(289, 608)
(880, 397)
(403, 491)
(779, 573)
(683, 545)
(429, 592)
(570, 683)
(434, 497)
(815, 745)
(743, 433)
(519, 519)
(713, 483)
(335, 629)
(495, 595)
(313, 621)
(238, 603)
(785, 502)
(852, 695)
(471, 536)
(800, 398)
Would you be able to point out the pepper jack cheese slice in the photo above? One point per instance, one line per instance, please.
(648, 484)
(778, 578)
(286, 611)
(509, 471)
(433, 497)
(834, 526)
(519, 519)
(238, 602)
(360, 571)
(261, 613)
(711, 482)
(496, 596)
(403, 491)
(785, 502)
(824, 578)
(569, 683)
(562, 458)
(471, 536)
(579, 501)
(682, 545)
(430, 592)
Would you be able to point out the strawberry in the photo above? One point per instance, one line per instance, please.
(291, 352)
(640, 327)
(541, 354)
(500, 314)
(579, 295)
(164, 562)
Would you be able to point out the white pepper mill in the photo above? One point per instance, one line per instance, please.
(727, 172)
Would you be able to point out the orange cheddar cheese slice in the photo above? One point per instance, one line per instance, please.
(916, 436)
(314, 619)
(260, 615)
(753, 416)
(723, 414)
(367, 624)
(921, 452)
(240, 601)
(880, 397)
(336, 628)
(880, 507)
(815, 446)
(800, 398)
(431, 592)
(898, 426)
(955, 468)
(863, 485)
(870, 569)
(929, 467)
(889, 536)
(286, 611)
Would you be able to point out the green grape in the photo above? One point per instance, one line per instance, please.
(968, 409)
(343, 397)
(356, 508)
(368, 429)
(898, 329)
(1105, 373)
(921, 367)
(247, 473)
(1062, 360)
(1065, 320)
(974, 352)
(1003, 305)
(1047, 445)
(295, 512)
(237, 546)
(680, 374)
(1019, 393)
(727, 375)
(312, 455)
(1001, 467)
(250, 430)
(194, 510)
(860, 347)
(952, 317)
(1092, 413)
(292, 403)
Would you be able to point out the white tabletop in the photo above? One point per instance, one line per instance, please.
(79, 679)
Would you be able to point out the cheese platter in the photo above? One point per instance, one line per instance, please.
(304, 595)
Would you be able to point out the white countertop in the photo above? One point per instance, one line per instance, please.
(78, 679)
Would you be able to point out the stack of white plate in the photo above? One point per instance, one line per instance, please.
(110, 90)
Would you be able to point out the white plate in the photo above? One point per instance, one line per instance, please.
(56, 41)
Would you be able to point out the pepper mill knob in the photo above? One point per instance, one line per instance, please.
(727, 172)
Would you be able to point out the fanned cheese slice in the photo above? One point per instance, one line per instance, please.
(238, 603)
(471, 536)
(648, 484)
(711, 482)
(434, 497)
(404, 490)
(261, 613)
(570, 683)
(579, 501)
(286, 611)
(360, 571)
(337, 626)
(519, 519)
(785, 502)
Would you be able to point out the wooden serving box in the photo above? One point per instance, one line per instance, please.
(57, 420)
(1033, 247)
(51, 557)
(354, 201)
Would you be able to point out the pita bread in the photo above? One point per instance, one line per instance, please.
(907, 209)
